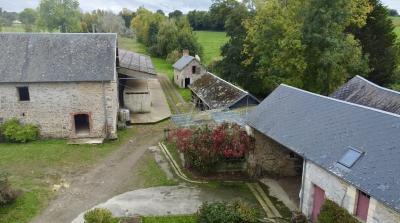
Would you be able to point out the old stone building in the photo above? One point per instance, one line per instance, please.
(349, 152)
(212, 92)
(187, 70)
(66, 84)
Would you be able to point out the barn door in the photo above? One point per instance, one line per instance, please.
(362, 206)
(319, 198)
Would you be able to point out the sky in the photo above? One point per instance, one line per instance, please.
(117, 5)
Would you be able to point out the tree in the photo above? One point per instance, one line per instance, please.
(111, 23)
(127, 15)
(219, 12)
(378, 41)
(161, 12)
(175, 14)
(60, 15)
(28, 18)
(331, 55)
(393, 12)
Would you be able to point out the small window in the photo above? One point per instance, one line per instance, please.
(23, 93)
(350, 157)
(193, 69)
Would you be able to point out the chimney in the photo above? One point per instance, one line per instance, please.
(185, 52)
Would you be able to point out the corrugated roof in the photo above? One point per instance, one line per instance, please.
(216, 92)
(183, 62)
(321, 129)
(361, 91)
(34, 57)
(135, 61)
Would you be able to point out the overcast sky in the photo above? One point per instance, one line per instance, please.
(117, 5)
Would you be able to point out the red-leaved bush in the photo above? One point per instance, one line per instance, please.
(203, 146)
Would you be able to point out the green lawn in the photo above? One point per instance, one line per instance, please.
(160, 64)
(13, 29)
(35, 167)
(396, 22)
(212, 43)
(171, 219)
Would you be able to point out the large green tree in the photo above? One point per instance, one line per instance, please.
(62, 15)
(332, 55)
(28, 18)
(378, 41)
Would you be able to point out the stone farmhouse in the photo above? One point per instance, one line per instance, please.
(333, 149)
(212, 92)
(187, 70)
(65, 83)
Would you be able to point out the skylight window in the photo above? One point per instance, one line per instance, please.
(350, 157)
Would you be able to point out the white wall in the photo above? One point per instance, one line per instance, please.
(179, 76)
(341, 193)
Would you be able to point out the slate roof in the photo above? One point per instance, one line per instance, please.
(34, 57)
(216, 92)
(361, 91)
(321, 129)
(135, 61)
(183, 62)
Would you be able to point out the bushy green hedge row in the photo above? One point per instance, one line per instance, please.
(235, 212)
(13, 131)
(333, 213)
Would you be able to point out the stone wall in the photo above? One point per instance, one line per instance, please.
(341, 193)
(52, 107)
(179, 76)
(272, 159)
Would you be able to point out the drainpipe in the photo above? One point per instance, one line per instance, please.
(302, 184)
(105, 109)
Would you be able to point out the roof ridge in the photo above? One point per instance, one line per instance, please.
(240, 89)
(341, 101)
(377, 86)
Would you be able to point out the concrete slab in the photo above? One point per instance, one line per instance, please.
(276, 190)
(159, 106)
(82, 141)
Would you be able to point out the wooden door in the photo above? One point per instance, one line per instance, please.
(319, 198)
(362, 206)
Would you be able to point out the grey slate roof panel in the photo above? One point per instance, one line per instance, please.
(216, 92)
(361, 91)
(183, 62)
(135, 61)
(321, 129)
(34, 57)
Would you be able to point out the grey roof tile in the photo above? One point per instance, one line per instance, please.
(34, 57)
(135, 61)
(321, 129)
(361, 91)
(183, 62)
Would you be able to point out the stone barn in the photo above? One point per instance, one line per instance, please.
(187, 70)
(349, 153)
(212, 92)
(66, 84)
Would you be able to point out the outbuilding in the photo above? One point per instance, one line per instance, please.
(66, 84)
(337, 150)
(187, 70)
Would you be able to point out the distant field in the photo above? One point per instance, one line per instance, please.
(212, 43)
(13, 29)
(396, 22)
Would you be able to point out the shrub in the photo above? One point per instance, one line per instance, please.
(332, 213)
(99, 215)
(204, 147)
(236, 212)
(7, 194)
(173, 56)
(13, 131)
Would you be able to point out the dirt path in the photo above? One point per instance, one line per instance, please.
(103, 180)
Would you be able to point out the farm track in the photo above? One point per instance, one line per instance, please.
(172, 95)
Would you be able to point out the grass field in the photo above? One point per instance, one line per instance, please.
(396, 22)
(13, 29)
(171, 219)
(34, 167)
(212, 43)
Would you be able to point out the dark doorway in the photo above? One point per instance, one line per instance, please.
(82, 125)
(187, 82)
